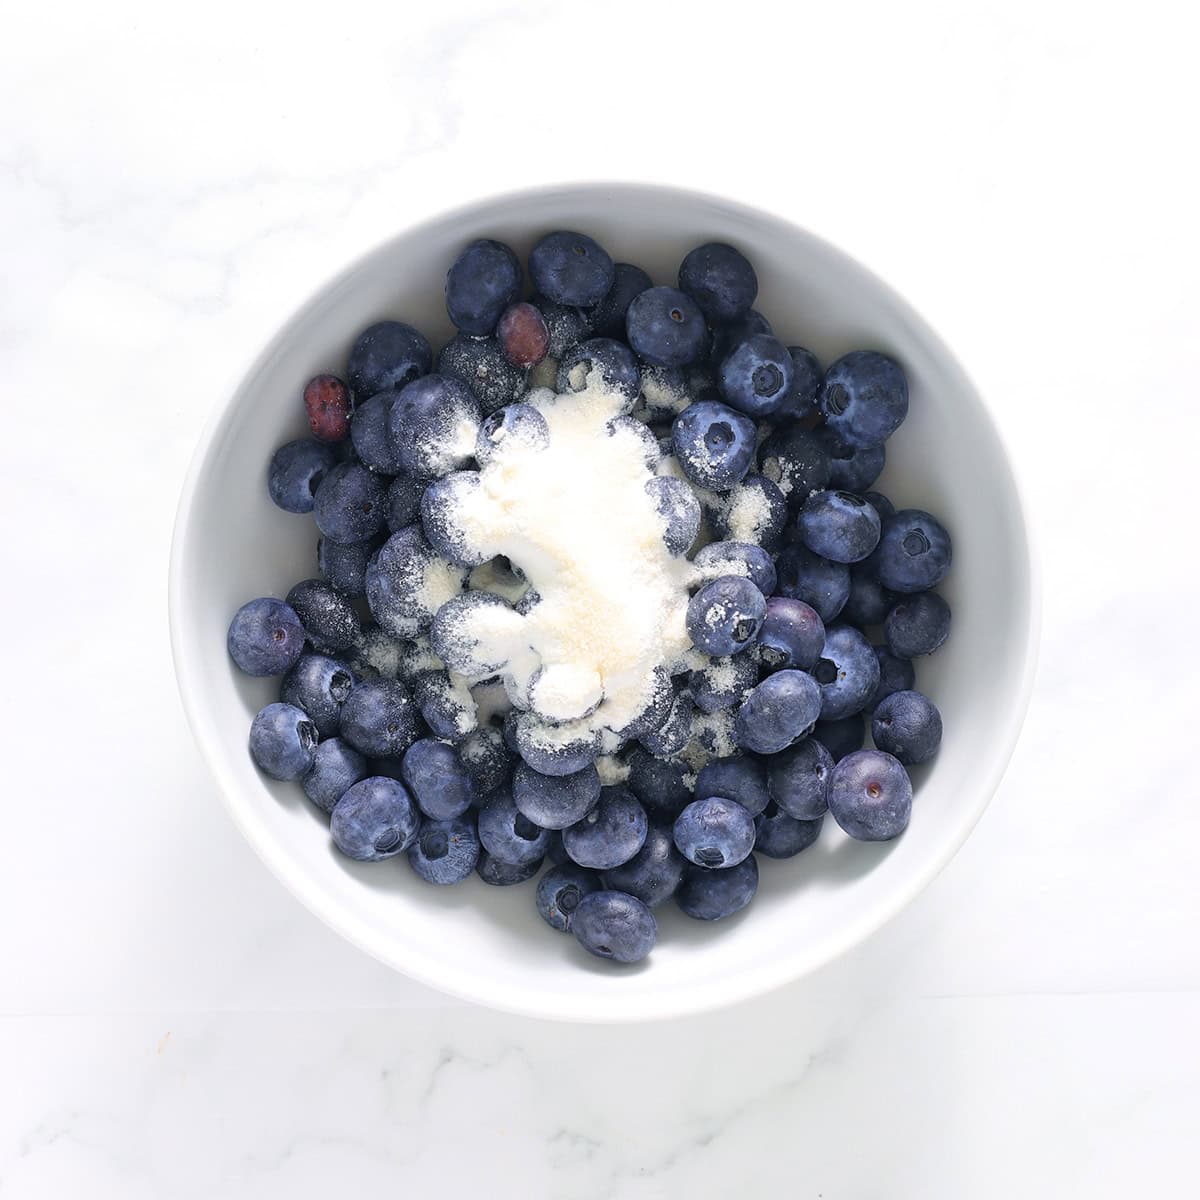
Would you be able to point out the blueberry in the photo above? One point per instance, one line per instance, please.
(756, 376)
(797, 461)
(723, 682)
(265, 637)
(714, 444)
(379, 718)
(335, 768)
(677, 506)
(908, 726)
(319, 685)
(608, 317)
(296, 471)
(403, 501)
(721, 281)
(350, 504)
(437, 779)
(870, 796)
(715, 559)
(345, 564)
(742, 779)
(779, 711)
(653, 873)
(555, 749)
(555, 801)
(792, 635)
(658, 697)
(509, 835)
(881, 504)
(708, 895)
(282, 741)
(732, 333)
(369, 434)
(724, 616)
(327, 615)
(798, 779)
(779, 836)
(611, 833)
(571, 268)
(917, 625)
(446, 704)
(914, 552)
(666, 327)
(615, 926)
(559, 892)
(434, 423)
(481, 365)
(386, 356)
(847, 671)
(556, 853)
(327, 406)
(714, 832)
(843, 736)
(821, 584)
(664, 395)
(675, 732)
(374, 820)
(484, 280)
(567, 325)
(406, 583)
(853, 470)
(869, 601)
(864, 398)
(613, 361)
(465, 629)
(445, 852)
(800, 404)
(488, 760)
(513, 423)
(839, 526)
(501, 874)
(754, 511)
(661, 786)
(895, 675)
(442, 505)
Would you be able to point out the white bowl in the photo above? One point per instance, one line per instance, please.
(488, 944)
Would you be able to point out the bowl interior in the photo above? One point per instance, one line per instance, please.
(488, 944)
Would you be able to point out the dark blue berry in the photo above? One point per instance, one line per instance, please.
(369, 434)
(843, 736)
(501, 874)
(779, 711)
(335, 768)
(754, 511)
(661, 786)
(724, 616)
(800, 403)
(675, 732)
(792, 635)
(849, 469)
(653, 873)
(723, 682)
(385, 357)
(441, 505)
(446, 704)
(320, 686)
(608, 317)
(566, 324)
(512, 423)
(555, 750)
(914, 552)
(714, 444)
(733, 333)
(908, 726)
(666, 327)
(895, 675)
(839, 526)
(708, 895)
(403, 501)
(282, 741)
(509, 835)
(555, 801)
(556, 853)
(396, 583)
(484, 280)
(265, 637)
(379, 718)
(748, 559)
(756, 375)
(880, 503)
(847, 671)
(870, 796)
(864, 398)
(345, 564)
(351, 503)
(779, 836)
(869, 601)
(571, 268)
(445, 852)
(434, 423)
(437, 779)
(714, 832)
(455, 636)
(611, 833)
(806, 576)
(615, 926)
(612, 360)
(721, 281)
(487, 758)
(327, 615)
(679, 509)
(559, 892)
(481, 365)
(665, 393)
(798, 779)
(659, 697)
(374, 820)
(296, 471)
(796, 461)
(742, 779)
(917, 625)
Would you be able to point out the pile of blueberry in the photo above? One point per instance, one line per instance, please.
(798, 561)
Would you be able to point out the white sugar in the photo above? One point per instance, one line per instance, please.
(747, 514)
(611, 770)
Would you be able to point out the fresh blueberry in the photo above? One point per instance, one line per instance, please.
(446, 704)
(917, 625)
(615, 926)
(460, 633)
(612, 360)
(895, 675)
(556, 852)
(666, 327)
(714, 444)
(403, 501)
(555, 749)
(387, 356)
(611, 833)
(677, 506)
(742, 779)
(442, 504)
(296, 471)
(714, 832)
(653, 873)
(514, 423)
(798, 779)
(481, 365)
(374, 820)
(806, 576)
(559, 892)
(754, 511)
(847, 671)
(571, 268)
(843, 736)
(914, 552)
(282, 741)
(434, 423)
(345, 564)
(379, 718)
(881, 504)
(779, 836)
(445, 852)
(369, 434)
(265, 637)
(501, 874)
(870, 796)
(801, 402)
(839, 526)
(779, 711)
(792, 635)
(405, 580)
(351, 503)
(555, 801)
(869, 601)
(756, 376)
(849, 469)
(509, 835)
(723, 682)
(733, 333)
(327, 406)
(319, 685)
(721, 281)
(908, 726)
(523, 335)
(659, 695)
(796, 461)
(335, 768)
(567, 325)
(715, 559)
(488, 760)
(864, 398)
(608, 317)
(437, 779)
(675, 732)
(484, 280)
(708, 895)
(724, 616)
(661, 786)
(327, 615)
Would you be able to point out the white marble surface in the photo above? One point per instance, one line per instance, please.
(173, 182)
